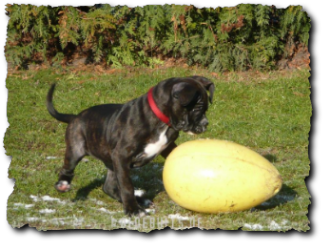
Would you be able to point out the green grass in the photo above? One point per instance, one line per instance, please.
(269, 113)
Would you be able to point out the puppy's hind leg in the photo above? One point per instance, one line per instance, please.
(74, 153)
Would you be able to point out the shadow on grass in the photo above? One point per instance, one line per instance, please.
(285, 195)
(152, 187)
(270, 157)
(83, 192)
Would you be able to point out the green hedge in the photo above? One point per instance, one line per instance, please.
(237, 38)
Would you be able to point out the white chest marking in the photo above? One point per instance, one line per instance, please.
(156, 147)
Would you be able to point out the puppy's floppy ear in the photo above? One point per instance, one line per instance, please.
(184, 92)
(208, 85)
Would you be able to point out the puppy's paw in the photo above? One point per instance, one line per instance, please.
(62, 186)
(144, 202)
(141, 200)
(140, 212)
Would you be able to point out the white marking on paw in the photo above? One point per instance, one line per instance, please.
(64, 184)
(139, 193)
(155, 148)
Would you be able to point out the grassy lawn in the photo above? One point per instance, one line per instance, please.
(269, 113)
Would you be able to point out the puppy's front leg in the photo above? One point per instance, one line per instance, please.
(122, 167)
(168, 150)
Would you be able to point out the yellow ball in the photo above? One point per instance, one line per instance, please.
(213, 176)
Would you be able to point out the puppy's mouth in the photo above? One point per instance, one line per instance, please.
(195, 130)
(191, 129)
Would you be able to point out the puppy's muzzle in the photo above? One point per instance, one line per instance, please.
(200, 128)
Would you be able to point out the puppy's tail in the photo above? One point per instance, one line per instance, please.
(53, 112)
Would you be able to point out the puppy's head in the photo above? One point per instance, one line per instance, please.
(190, 102)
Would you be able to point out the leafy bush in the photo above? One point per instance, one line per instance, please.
(236, 38)
(30, 30)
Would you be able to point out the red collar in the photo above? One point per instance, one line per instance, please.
(156, 110)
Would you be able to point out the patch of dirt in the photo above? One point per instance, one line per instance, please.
(172, 62)
(298, 57)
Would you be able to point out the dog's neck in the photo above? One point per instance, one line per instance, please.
(160, 115)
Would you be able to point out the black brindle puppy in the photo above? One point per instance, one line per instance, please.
(132, 134)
